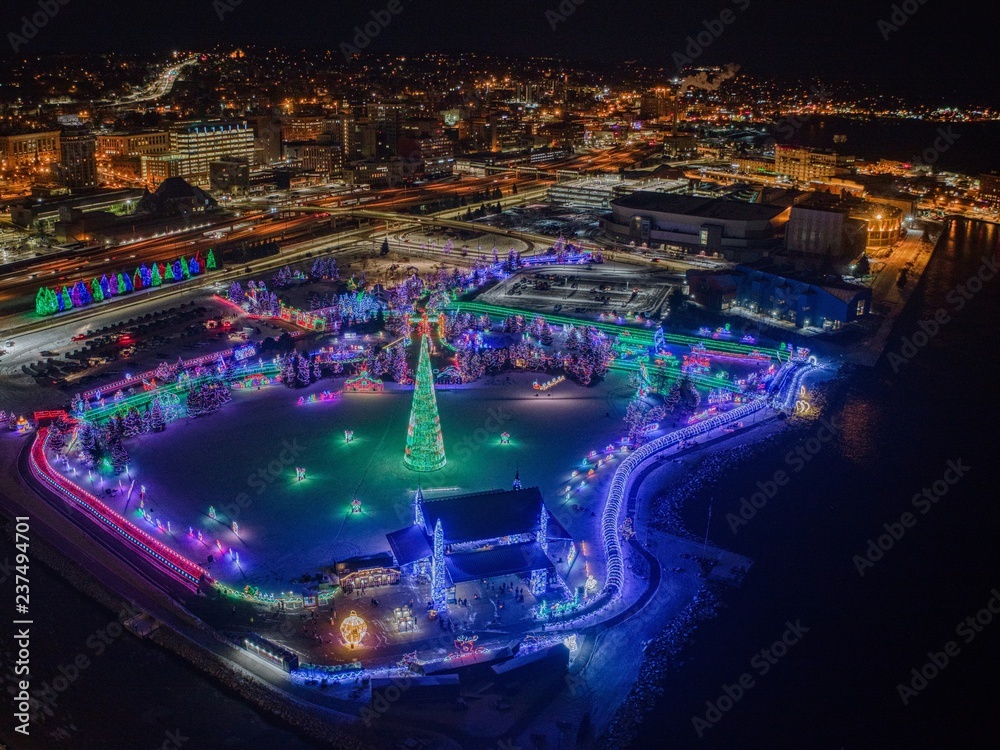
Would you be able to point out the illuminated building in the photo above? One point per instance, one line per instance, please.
(655, 104)
(774, 292)
(836, 230)
(469, 538)
(805, 164)
(302, 128)
(506, 132)
(193, 148)
(159, 167)
(598, 192)
(754, 164)
(431, 151)
(29, 151)
(379, 172)
(738, 231)
(136, 143)
(121, 152)
(381, 128)
(345, 129)
(989, 188)
(324, 156)
(78, 162)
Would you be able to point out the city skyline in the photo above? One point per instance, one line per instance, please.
(906, 46)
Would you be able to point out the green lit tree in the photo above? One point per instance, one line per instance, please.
(46, 302)
(95, 290)
(157, 277)
(210, 264)
(424, 443)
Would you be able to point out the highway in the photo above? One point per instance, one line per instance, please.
(294, 224)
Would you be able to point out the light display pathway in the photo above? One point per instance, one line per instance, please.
(361, 517)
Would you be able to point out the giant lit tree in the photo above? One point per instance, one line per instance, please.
(424, 444)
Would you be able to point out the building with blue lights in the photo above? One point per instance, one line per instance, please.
(480, 536)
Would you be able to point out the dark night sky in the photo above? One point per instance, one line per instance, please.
(942, 51)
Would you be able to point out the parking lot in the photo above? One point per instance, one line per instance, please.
(137, 344)
(584, 290)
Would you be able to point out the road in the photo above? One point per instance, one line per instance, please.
(19, 287)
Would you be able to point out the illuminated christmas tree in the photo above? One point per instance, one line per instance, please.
(424, 444)
(46, 303)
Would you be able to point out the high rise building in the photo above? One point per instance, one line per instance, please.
(506, 132)
(655, 104)
(267, 140)
(344, 127)
(381, 129)
(204, 142)
(78, 162)
(428, 149)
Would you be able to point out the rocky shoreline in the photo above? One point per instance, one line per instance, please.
(660, 656)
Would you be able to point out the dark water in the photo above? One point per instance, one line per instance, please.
(976, 146)
(837, 687)
(129, 695)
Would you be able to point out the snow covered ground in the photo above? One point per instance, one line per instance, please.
(242, 461)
